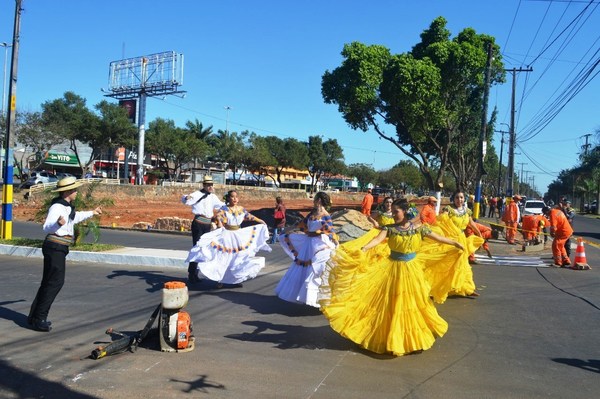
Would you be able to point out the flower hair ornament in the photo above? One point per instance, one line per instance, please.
(412, 212)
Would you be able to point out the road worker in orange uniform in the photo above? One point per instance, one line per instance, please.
(510, 217)
(531, 228)
(367, 203)
(428, 212)
(560, 230)
(486, 234)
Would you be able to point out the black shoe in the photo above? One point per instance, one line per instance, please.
(30, 320)
(193, 278)
(41, 325)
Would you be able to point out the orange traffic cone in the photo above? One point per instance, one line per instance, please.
(580, 260)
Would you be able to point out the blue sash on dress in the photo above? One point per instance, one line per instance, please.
(403, 256)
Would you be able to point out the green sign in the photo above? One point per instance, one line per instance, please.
(54, 158)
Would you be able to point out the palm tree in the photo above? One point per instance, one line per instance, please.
(197, 129)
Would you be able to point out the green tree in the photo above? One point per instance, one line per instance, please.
(259, 160)
(31, 134)
(69, 118)
(324, 157)
(424, 95)
(200, 132)
(114, 129)
(174, 146)
(365, 174)
(285, 153)
(404, 176)
(231, 147)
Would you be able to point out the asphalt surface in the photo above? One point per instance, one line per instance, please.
(533, 333)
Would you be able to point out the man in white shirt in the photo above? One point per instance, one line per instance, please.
(60, 229)
(203, 203)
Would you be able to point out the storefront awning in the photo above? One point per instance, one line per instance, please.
(56, 159)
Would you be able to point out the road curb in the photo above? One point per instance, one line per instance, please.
(100, 257)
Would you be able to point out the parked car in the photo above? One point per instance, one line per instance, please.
(62, 175)
(591, 208)
(533, 207)
(39, 177)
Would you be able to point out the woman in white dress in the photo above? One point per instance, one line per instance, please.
(226, 254)
(310, 249)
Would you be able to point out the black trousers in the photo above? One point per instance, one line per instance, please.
(53, 279)
(197, 230)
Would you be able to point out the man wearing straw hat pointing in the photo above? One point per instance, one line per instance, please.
(58, 225)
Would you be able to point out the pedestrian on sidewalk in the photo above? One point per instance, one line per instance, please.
(278, 219)
(204, 204)
(493, 202)
(59, 227)
(226, 255)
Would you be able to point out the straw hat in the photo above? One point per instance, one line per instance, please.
(207, 180)
(432, 198)
(66, 184)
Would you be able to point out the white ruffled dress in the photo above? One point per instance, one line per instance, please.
(310, 251)
(227, 254)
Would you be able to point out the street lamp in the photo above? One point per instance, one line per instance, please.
(6, 46)
(227, 108)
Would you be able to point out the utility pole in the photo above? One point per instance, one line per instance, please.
(521, 175)
(512, 141)
(7, 187)
(482, 142)
(586, 145)
(502, 132)
(527, 190)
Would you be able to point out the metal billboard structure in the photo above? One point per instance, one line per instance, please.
(152, 75)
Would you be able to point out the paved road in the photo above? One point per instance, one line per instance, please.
(531, 334)
(127, 238)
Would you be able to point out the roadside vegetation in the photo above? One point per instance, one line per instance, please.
(35, 243)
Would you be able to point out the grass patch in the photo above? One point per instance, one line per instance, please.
(85, 247)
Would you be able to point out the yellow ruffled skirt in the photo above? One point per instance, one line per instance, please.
(379, 303)
(450, 277)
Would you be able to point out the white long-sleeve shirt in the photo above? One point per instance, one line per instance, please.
(206, 207)
(51, 225)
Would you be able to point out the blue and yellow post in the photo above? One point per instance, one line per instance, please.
(7, 202)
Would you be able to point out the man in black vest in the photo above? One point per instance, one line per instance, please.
(203, 203)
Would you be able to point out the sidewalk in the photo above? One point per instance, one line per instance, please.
(123, 256)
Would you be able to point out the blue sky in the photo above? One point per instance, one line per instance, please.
(265, 60)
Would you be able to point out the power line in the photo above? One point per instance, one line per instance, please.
(257, 129)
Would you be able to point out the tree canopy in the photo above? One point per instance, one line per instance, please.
(430, 96)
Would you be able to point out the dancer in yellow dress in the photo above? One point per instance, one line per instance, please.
(382, 302)
(458, 279)
(383, 214)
